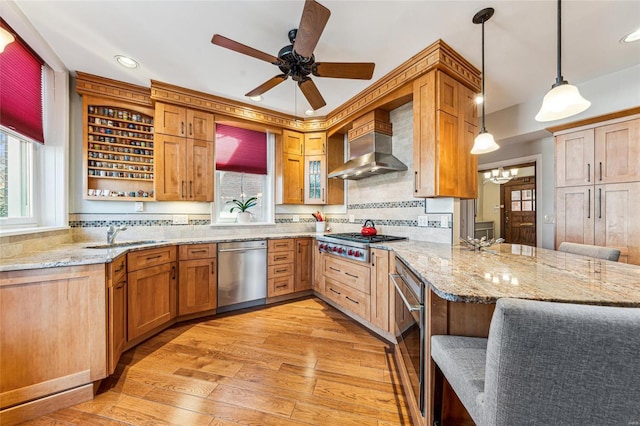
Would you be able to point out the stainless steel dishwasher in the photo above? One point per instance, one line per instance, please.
(242, 275)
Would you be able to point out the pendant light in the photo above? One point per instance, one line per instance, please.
(484, 142)
(564, 99)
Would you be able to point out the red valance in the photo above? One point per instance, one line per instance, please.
(241, 150)
(21, 88)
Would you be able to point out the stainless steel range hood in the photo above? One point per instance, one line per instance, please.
(369, 148)
(369, 155)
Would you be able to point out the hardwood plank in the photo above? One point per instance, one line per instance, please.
(295, 363)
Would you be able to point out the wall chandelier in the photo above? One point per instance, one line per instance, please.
(500, 175)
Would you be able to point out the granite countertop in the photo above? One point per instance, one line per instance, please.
(74, 254)
(509, 270)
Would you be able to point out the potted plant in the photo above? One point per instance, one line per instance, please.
(242, 206)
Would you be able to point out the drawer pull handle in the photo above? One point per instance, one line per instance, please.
(173, 272)
(334, 269)
(198, 251)
(354, 301)
(119, 269)
(154, 257)
(351, 275)
(281, 270)
(120, 284)
(281, 286)
(213, 268)
(336, 292)
(279, 257)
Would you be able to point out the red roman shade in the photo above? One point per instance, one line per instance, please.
(241, 150)
(21, 88)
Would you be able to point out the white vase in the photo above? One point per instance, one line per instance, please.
(244, 217)
(320, 227)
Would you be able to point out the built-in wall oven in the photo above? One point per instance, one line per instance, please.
(410, 327)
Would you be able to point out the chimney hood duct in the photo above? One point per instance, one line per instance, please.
(369, 149)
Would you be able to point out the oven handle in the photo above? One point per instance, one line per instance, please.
(410, 307)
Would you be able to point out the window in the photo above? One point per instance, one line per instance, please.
(16, 166)
(244, 165)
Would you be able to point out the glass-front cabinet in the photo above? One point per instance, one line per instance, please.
(315, 179)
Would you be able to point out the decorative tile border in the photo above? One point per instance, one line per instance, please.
(105, 223)
(388, 205)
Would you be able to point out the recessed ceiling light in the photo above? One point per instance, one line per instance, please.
(631, 37)
(256, 98)
(126, 61)
(309, 112)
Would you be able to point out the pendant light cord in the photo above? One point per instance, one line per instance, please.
(559, 78)
(483, 130)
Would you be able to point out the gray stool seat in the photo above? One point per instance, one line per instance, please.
(599, 252)
(547, 363)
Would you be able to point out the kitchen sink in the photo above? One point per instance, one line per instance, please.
(124, 244)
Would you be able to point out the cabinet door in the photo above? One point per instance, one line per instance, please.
(448, 96)
(292, 142)
(617, 152)
(467, 168)
(380, 303)
(467, 107)
(117, 321)
(315, 143)
(170, 159)
(199, 170)
(616, 219)
(304, 269)
(170, 119)
(447, 170)
(151, 300)
(318, 269)
(315, 179)
(574, 159)
(293, 177)
(197, 286)
(574, 215)
(200, 125)
(424, 136)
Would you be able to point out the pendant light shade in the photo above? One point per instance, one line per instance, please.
(564, 99)
(484, 142)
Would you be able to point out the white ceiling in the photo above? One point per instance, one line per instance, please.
(172, 42)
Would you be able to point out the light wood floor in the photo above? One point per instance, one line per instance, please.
(297, 363)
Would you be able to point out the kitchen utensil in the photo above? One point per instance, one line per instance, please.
(368, 230)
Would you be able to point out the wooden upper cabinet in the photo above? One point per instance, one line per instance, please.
(170, 160)
(574, 158)
(179, 121)
(292, 142)
(444, 131)
(293, 179)
(315, 143)
(467, 106)
(199, 165)
(617, 152)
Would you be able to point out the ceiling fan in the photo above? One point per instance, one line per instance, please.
(296, 60)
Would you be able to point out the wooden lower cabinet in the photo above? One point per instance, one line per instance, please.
(349, 285)
(53, 339)
(382, 293)
(304, 264)
(117, 310)
(280, 267)
(198, 282)
(151, 294)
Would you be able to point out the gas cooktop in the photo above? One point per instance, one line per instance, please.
(357, 237)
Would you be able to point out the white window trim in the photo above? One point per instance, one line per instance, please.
(50, 178)
(268, 196)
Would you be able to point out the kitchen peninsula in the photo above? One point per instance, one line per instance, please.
(462, 286)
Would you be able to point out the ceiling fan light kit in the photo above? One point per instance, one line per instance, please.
(297, 61)
(484, 142)
(563, 100)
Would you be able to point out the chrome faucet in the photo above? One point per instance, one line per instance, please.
(113, 231)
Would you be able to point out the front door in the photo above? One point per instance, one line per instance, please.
(520, 211)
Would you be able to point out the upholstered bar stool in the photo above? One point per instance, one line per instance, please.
(589, 250)
(547, 364)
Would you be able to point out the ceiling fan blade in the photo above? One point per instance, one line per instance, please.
(241, 48)
(312, 23)
(267, 85)
(310, 91)
(355, 70)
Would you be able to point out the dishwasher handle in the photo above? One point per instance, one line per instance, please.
(241, 249)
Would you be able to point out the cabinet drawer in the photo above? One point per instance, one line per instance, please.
(347, 273)
(197, 251)
(116, 270)
(280, 258)
(279, 286)
(350, 299)
(283, 270)
(280, 245)
(152, 257)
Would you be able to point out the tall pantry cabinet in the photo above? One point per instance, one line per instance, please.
(598, 185)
